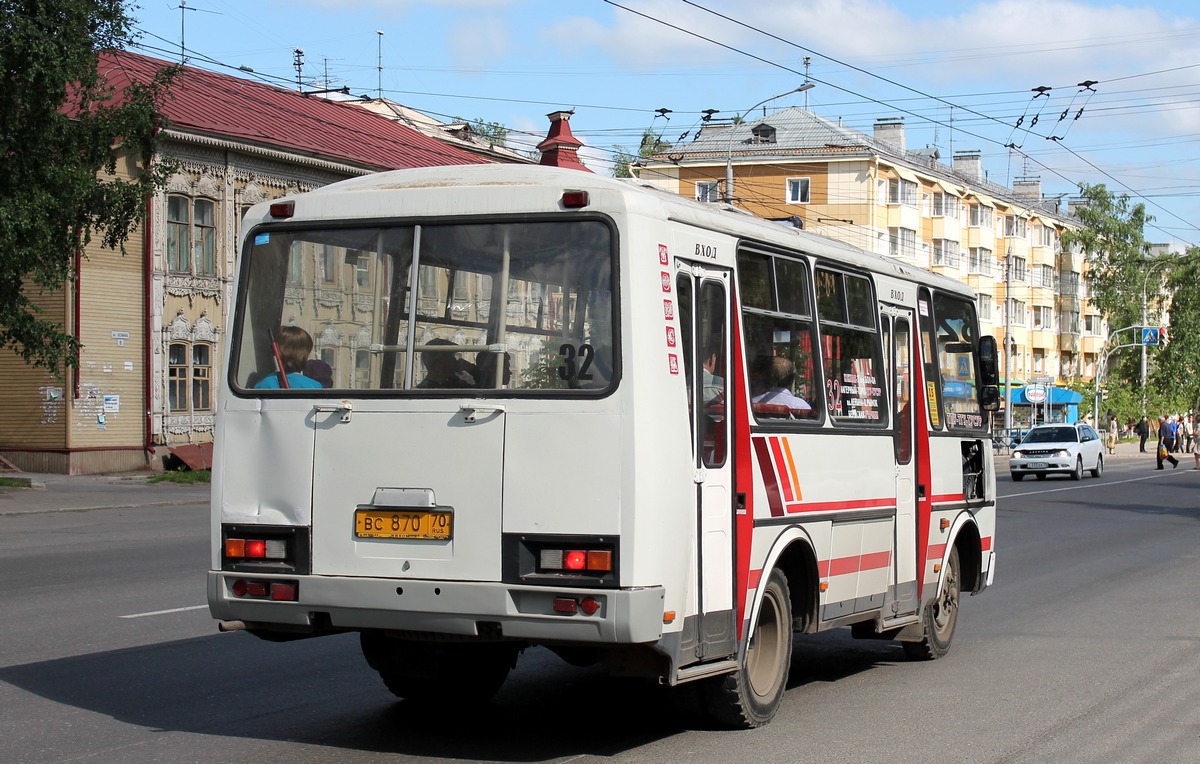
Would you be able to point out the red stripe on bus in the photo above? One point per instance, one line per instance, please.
(826, 506)
(948, 497)
(781, 470)
(842, 566)
(762, 451)
(936, 551)
(755, 579)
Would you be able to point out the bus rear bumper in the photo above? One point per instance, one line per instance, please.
(460, 608)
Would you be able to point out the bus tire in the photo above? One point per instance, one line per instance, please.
(436, 672)
(940, 617)
(750, 696)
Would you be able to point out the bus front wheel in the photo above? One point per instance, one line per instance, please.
(940, 618)
(439, 672)
(750, 696)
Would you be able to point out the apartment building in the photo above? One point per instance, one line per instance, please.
(873, 192)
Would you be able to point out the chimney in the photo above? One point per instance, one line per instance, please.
(1028, 188)
(560, 148)
(969, 164)
(890, 131)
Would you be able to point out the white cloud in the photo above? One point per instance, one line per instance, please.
(476, 41)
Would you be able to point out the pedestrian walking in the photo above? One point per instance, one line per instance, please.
(1143, 432)
(1166, 440)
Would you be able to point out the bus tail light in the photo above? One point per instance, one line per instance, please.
(574, 200)
(278, 591)
(593, 560)
(255, 549)
(560, 560)
(283, 209)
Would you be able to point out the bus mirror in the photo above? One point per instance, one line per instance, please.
(989, 368)
(989, 398)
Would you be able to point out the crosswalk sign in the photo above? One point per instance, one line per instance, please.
(1153, 335)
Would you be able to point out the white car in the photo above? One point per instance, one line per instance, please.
(1065, 448)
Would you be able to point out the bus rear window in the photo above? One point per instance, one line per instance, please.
(496, 306)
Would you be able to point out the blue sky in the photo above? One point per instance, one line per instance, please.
(961, 74)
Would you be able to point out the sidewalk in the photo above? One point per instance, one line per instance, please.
(77, 493)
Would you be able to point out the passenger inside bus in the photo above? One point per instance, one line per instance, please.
(444, 369)
(485, 367)
(714, 386)
(294, 346)
(781, 377)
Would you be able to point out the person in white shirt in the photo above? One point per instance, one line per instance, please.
(780, 378)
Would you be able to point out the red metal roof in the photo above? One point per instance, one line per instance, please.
(220, 105)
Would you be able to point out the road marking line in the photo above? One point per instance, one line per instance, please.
(165, 612)
(1080, 487)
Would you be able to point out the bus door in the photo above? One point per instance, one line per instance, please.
(703, 295)
(899, 336)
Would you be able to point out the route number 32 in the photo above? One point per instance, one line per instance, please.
(577, 362)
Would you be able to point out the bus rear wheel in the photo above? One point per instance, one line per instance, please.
(439, 672)
(750, 696)
(940, 617)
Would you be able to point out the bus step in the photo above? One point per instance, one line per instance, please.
(703, 670)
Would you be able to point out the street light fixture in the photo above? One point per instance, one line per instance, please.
(729, 154)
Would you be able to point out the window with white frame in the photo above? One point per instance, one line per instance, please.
(1070, 322)
(944, 205)
(981, 261)
(902, 243)
(798, 190)
(1092, 326)
(901, 191)
(1049, 237)
(945, 252)
(984, 305)
(1043, 276)
(1019, 272)
(1070, 283)
(1015, 226)
(708, 191)
(191, 235)
(1043, 317)
(979, 216)
(189, 377)
(1016, 312)
(1039, 361)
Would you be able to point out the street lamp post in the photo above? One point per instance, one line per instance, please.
(1145, 283)
(729, 154)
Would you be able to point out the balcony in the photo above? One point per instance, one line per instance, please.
(1091, 343)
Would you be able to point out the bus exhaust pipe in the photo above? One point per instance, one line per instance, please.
(226, 626)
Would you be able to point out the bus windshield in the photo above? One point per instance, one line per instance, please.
(516, 306)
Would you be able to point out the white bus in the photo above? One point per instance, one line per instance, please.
(542, 407)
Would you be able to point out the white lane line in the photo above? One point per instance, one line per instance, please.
(1080, 487)
(164, 612)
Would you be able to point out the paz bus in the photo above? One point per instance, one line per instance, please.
(561, 410)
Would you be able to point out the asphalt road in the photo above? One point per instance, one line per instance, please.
(1087, 649)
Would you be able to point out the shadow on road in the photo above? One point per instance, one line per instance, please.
(320, 692)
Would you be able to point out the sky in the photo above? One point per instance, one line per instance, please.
(1121, 105)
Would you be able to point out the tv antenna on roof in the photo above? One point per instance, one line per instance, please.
(183, 7)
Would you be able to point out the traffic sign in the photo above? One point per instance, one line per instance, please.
(1151, 335)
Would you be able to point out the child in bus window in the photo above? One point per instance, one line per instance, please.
(294, 346)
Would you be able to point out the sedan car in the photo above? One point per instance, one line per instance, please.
(1068, 449)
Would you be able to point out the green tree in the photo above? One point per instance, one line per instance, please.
(1177, 367)
(624, 160)
(493, 132)
(1117, 254)
(63, 130)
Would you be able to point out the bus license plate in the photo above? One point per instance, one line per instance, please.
(402, 524)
